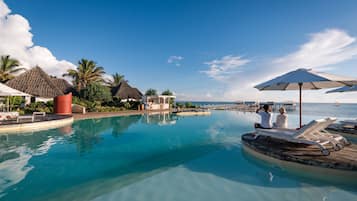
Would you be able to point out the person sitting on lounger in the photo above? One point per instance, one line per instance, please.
(281, 119)
(266, 117)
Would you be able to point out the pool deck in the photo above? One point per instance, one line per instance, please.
(310, 155)
(56, 121)
(96, 115)
(49, 122)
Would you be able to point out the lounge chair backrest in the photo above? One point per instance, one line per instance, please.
(329, 121)
(309, 128)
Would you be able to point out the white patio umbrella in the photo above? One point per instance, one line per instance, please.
(344, 89)
(8, 91)
(306, 79)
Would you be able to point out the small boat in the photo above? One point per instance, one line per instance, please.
(337, 104)
(310, 146)
(194, 112)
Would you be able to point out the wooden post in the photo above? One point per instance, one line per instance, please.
(300, 104)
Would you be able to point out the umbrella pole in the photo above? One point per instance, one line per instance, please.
(8, 104)
(300, 105)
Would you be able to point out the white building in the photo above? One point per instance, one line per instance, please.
(158, 102)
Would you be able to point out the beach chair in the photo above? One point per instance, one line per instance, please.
(338, 140)
(313, 133)
(349, 124)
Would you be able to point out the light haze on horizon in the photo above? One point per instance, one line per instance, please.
(201, 50)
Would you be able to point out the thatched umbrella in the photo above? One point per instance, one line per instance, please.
(36, 83)
(125, 91)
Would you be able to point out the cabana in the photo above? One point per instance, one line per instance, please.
(37, 83)
(157, 102)
(126, 93)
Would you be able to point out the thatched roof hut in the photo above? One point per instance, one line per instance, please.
(36, 83)
(125, 91)
(63, 85)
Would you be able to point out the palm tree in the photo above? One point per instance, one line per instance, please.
(87, 72)
(8, 66)
(116, 79)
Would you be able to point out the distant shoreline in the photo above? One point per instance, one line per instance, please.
(233, 102)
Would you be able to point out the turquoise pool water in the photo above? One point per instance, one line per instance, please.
(156, 157)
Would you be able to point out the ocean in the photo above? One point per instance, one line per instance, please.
(342, 110)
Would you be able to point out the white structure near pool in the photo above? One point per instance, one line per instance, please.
(157, 102)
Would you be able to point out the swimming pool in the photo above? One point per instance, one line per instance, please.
(156, 157)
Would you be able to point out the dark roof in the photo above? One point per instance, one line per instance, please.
(125, 91)
(62, 84)
(35, 82)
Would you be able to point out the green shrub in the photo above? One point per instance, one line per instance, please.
(189, 105)
(14, 102)
(179, 105)
(96, 92)
(39, 107)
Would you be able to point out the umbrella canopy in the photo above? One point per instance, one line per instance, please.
(8, 91)
(306, 79)
(310, 80)
(344, 89)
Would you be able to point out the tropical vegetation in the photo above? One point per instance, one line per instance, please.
(96, 92)
(151, 92)
(87, 72)
(8, 67)
(91, 90)
(167, 93)
(116, 79)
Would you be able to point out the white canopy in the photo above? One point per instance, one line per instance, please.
(306, 79)
(344, 89)
(8, 91)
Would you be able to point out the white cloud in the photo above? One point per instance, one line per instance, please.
(226, 67)
(329, 47)
(175, 60)
(16, 41)
(322, 51)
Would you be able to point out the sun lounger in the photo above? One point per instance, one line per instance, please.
(25, 117)
(349, 124)
(31, 117)
(313, 133)
(8, 115)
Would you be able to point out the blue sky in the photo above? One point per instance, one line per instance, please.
(201, 50)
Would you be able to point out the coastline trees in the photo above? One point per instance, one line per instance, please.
(8, 67)
(167, 92)
(151, 92)
(87, 72)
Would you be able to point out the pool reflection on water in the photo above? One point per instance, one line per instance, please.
(150, 157)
